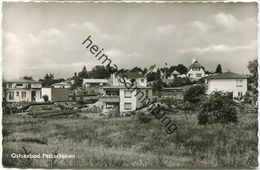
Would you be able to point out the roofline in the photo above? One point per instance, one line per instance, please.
(13, 81)
(123, 87)
(242, 77)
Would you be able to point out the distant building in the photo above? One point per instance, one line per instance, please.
(174, 75)
(136, 78)
(195, 70)
(21, 90)
(118, 98)
(227, 82)
(62, 85)
(56, 94)
(94, 82)
(154, 69)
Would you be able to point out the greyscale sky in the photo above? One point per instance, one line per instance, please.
(40, 38)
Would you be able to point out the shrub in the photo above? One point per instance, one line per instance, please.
(194, 94)
(218, 108)
(45, 98)
(144, 118)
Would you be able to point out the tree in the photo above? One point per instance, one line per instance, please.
(99, 72)
(252, 67)
(152, 76)
(84, 73)
(48, 80)
(45, 98)
(27, 78)
(218, 108)
(136, 70)
(194, 94)
(178, 81)
(180, 68)
(218, 69)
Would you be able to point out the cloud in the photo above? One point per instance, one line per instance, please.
(219, 48)
(226, 21)
(166, 29)
(52, 49)
(201, 27)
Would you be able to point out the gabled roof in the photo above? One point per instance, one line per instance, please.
(95, 81)
(227, 75)
(153, 68)
(132, 75)
(175, 72)
(196, 64)
(21, 80)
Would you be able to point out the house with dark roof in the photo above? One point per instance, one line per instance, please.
(231, 82)
(195, 70)
(22, 90)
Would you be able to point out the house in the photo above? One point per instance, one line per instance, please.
(173, 75)
(56, 94)
(62, 85)
(195, 70)
(94, 82)
(118, 98)
(231, 82)
(154, 69)
(136, 78)
(21, 90)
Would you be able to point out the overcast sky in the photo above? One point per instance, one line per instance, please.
(42, 38)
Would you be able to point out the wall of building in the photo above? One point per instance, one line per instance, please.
(18, 95)
(47, 91)
(227, 85)
(193, 73)
(124, 100)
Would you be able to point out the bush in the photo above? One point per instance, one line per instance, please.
(218, 108)
(144, 118)
(194, 94)
(45, 98)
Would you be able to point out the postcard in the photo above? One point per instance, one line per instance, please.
(129, 85)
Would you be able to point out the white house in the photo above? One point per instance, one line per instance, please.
(119, 98)
(21, 90)
(227, 82)
(94, 82)
(128, 77)
(62, 85)
(173, 75)
(154, 69)
(195, 70)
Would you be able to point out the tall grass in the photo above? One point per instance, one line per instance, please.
(124, 142)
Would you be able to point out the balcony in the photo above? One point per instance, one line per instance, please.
(111, 99)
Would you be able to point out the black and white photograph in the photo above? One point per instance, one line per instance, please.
(129, 85)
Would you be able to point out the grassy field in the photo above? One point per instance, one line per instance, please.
(124, 142)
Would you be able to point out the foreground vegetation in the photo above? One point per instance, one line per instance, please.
(125, 142)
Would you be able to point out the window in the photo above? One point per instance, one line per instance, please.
(128, 94)
(240, 94)
(17, 93)
(142, 80)
(239, 83)
(198, 75)
(196, 69)
(23, 94)
(19, 84)
(146, 93)
(128, 106)
(11, 95)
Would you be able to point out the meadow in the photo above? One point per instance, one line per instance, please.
(125, 142)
